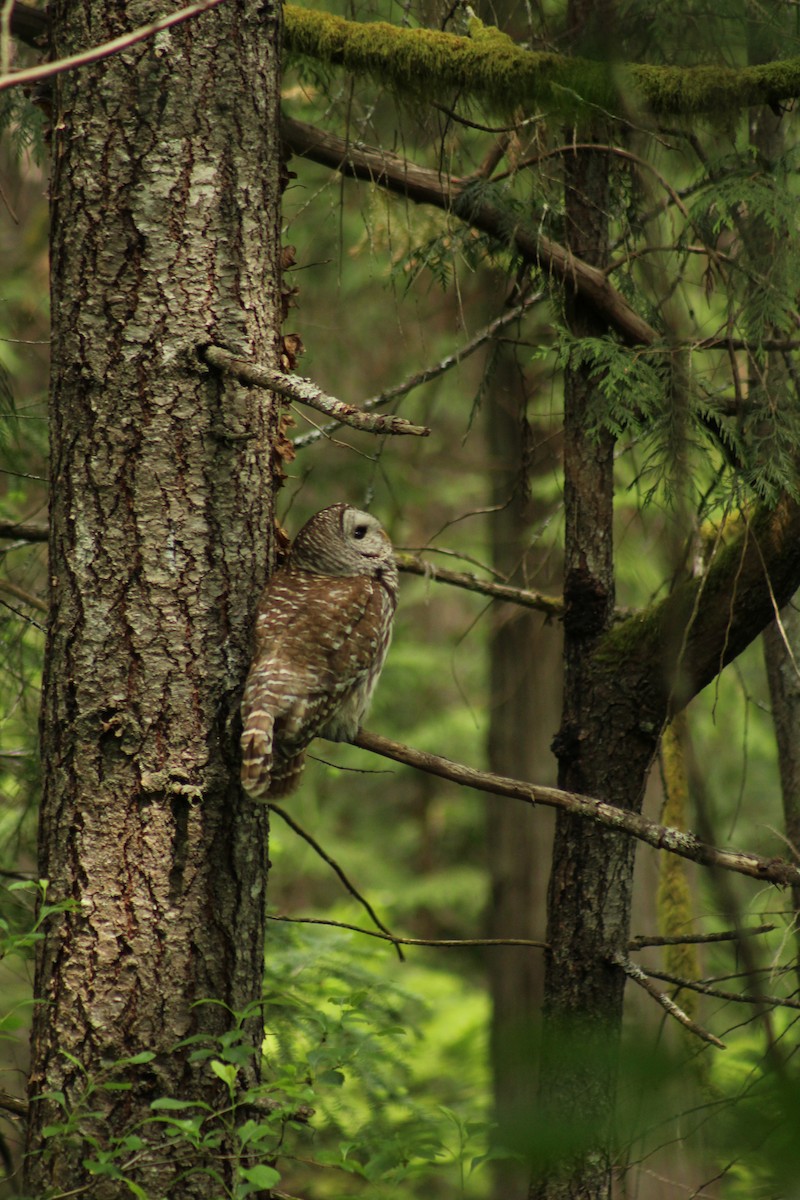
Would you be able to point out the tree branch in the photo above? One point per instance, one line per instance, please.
(665, 655)
(24, 531)
(504, 75)
(707, 989)
(428, 373)
(404, 941)
(105, 49)
(690, 939)
(553, 606)
(303, 391)
(425, 186)
(314, 844)
(772, 870)
(638, 976)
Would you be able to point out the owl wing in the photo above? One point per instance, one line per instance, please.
(317, 637)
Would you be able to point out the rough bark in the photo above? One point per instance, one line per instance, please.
(165, 200)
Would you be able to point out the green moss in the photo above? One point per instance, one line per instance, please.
(491, 67)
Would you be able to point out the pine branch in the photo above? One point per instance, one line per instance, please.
(770, 870)
(303, 391)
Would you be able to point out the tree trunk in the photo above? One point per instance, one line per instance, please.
(165, 202)
(524, 669)
(592, 874)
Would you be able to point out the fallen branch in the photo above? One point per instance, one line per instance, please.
(638, 976)
(552, 605)
(771, 870)
(303, 391)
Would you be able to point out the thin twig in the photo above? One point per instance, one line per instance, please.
(638, 976)
(303, 391)
(706, 989)
(772, 870)
(692, 939)
(11, 589)
(465, 579)
(404, 941)
(106, 49)
(314, 844)
(429, 373)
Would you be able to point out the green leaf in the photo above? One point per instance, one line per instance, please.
(259, 1176)
(227, 1072)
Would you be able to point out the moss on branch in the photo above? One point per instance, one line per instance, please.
(491, 67)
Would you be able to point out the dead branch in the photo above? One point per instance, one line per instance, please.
(23, 531)
(772, 870)
(303, 391)
(707, 989)
(403, 941)
(692, 939)
(106, 49)
(13, 1104)
(354, 892)
(19, 593)
(551, 605)
(416, 380)
(638, 976)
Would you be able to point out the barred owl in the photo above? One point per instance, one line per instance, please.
(322, 631)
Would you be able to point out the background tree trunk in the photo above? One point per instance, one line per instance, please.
(165, 201)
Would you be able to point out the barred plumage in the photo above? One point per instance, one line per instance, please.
(322, 631)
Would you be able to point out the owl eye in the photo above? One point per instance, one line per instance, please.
(359, 532)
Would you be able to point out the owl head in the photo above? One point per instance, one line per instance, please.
(342, 540)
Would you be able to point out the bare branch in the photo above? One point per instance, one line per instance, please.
(11, 589)
(638, 976)
(772, 870)
(293, 387)
(552, 605)
(692, 939)
(95, 53)
(428, 373)
(706, 989)
(23, 531)
(403, 941)
(13, 1104)
(314, 844)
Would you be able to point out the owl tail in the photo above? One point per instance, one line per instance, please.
(286, 774)
(257, 754)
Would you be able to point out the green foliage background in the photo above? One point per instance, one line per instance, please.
(393, 1056)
